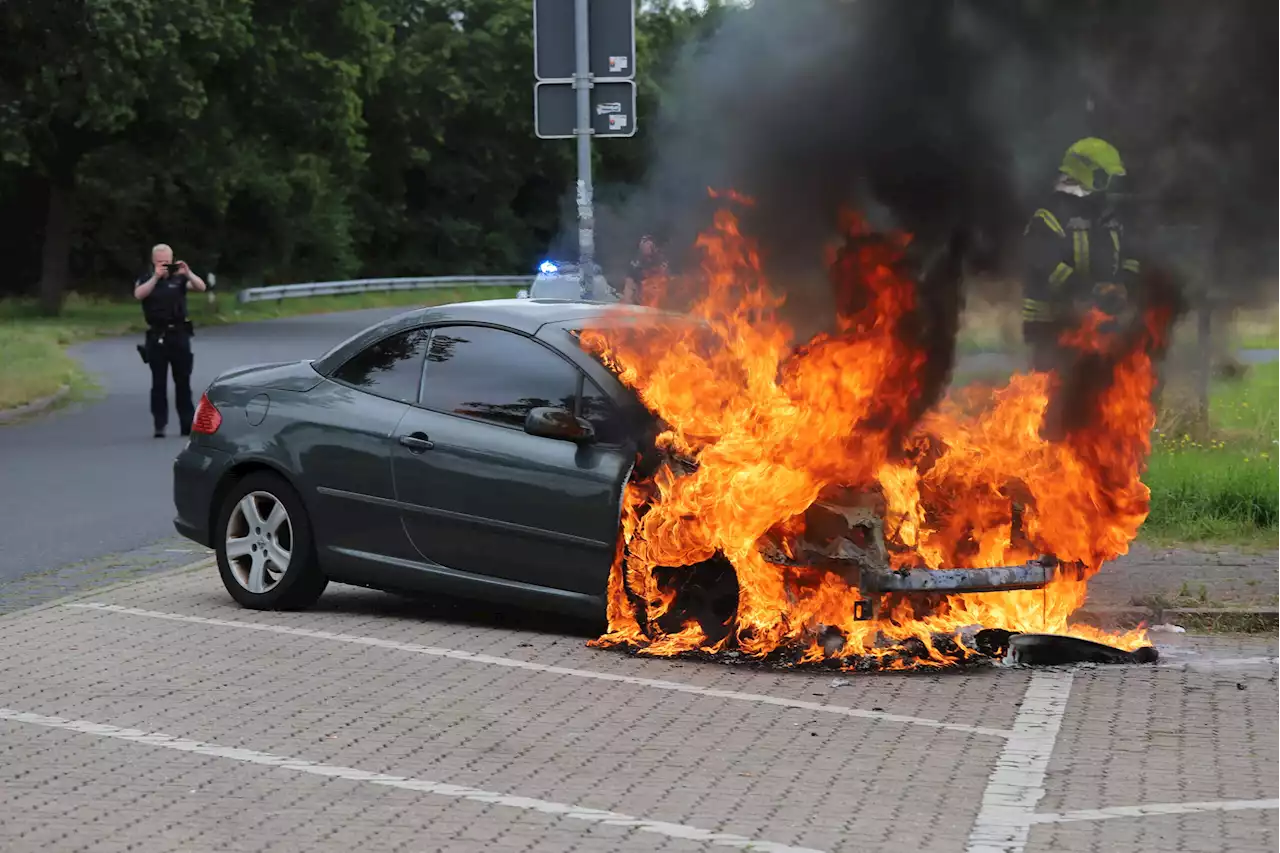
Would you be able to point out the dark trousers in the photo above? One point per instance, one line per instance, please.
(170, 350)
(1046, 352)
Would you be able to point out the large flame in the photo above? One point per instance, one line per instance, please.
(757, 428)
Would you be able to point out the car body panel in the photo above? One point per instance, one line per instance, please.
(197, 470)
(281, 376)
(489, 511)
(497, 501)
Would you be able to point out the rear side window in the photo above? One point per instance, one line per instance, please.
(494, 375)
(391, 368)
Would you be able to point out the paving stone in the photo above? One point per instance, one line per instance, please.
(782, 772)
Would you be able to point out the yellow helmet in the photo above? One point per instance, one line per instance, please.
(1086, 158)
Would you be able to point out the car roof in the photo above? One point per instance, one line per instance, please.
(523, 315)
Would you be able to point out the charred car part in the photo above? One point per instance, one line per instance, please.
(1056, 650)
(847, 539)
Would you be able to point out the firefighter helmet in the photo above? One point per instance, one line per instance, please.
(1092, 163)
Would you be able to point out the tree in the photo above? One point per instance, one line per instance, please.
(79, 73)
(235, 120)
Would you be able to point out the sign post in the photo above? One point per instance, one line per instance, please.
(586, 192)
(584, 62)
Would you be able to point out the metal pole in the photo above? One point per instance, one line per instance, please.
(582, 83)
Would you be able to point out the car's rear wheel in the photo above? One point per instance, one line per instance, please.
(266, 555)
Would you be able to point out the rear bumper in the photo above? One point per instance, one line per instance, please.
(196, 474)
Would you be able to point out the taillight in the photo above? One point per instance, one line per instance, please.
(207, 419)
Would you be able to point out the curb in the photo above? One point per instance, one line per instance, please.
(35, 407)
(1247, 620)
(89, 592)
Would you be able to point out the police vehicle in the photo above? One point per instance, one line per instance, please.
(563, 280)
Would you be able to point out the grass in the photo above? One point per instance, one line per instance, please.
(35, 365)
(1211, 489)
(987, 327)
(1222, 486)
(1256, 330)
(33, 354)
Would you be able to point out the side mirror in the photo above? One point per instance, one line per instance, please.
(522, 294)
(549, 422)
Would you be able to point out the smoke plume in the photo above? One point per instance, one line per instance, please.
(947, 118)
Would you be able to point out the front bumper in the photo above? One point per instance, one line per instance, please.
(848, 540)
(197, 471)
(1034, 574)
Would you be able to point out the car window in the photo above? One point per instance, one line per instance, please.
(598, 409)
(390, 368)
(494, 375)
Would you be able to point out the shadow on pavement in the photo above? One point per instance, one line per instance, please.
(456, 611)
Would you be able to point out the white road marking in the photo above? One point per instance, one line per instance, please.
(1152, 809)
(425, 786)
(514, 663)
(1211, 663)
(1016, 784)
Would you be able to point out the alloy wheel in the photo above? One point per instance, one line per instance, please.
(259, 541)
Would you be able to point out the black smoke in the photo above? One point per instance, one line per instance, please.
(947, 118)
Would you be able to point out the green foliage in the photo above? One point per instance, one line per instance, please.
(1223, 487)
(277, 142)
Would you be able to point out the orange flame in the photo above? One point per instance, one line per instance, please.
(768, 426)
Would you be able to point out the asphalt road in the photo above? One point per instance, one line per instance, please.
(90, 479)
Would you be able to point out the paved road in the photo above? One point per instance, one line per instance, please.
(159, 717)
(90, 480)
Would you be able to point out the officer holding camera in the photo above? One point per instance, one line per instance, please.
(163, 294)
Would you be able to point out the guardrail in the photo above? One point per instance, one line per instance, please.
(378, 285)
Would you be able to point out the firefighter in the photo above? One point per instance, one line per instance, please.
(1075, 252)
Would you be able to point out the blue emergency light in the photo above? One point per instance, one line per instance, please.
(548, 268)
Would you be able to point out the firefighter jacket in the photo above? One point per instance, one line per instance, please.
(1075, 252)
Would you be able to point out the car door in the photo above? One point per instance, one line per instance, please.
(345, 454)
(481, 495)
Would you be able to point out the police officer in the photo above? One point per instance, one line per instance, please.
(163, 293)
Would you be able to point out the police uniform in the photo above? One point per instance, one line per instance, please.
(168, 347)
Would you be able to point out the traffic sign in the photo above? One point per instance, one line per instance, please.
(611, 29)
(613, 109)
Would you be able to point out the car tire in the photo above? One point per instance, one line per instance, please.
(262, 524)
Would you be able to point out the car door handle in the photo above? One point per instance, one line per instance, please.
(417, 442)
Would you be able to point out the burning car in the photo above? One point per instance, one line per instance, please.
(827, 500)
(706, 481)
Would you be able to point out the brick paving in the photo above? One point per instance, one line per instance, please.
(1214, 578)
(736, 754)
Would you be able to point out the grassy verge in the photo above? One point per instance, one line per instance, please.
(997, 328)
(36, 364)
(1222, 487)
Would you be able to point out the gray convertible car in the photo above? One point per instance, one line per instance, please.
(472, 449)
